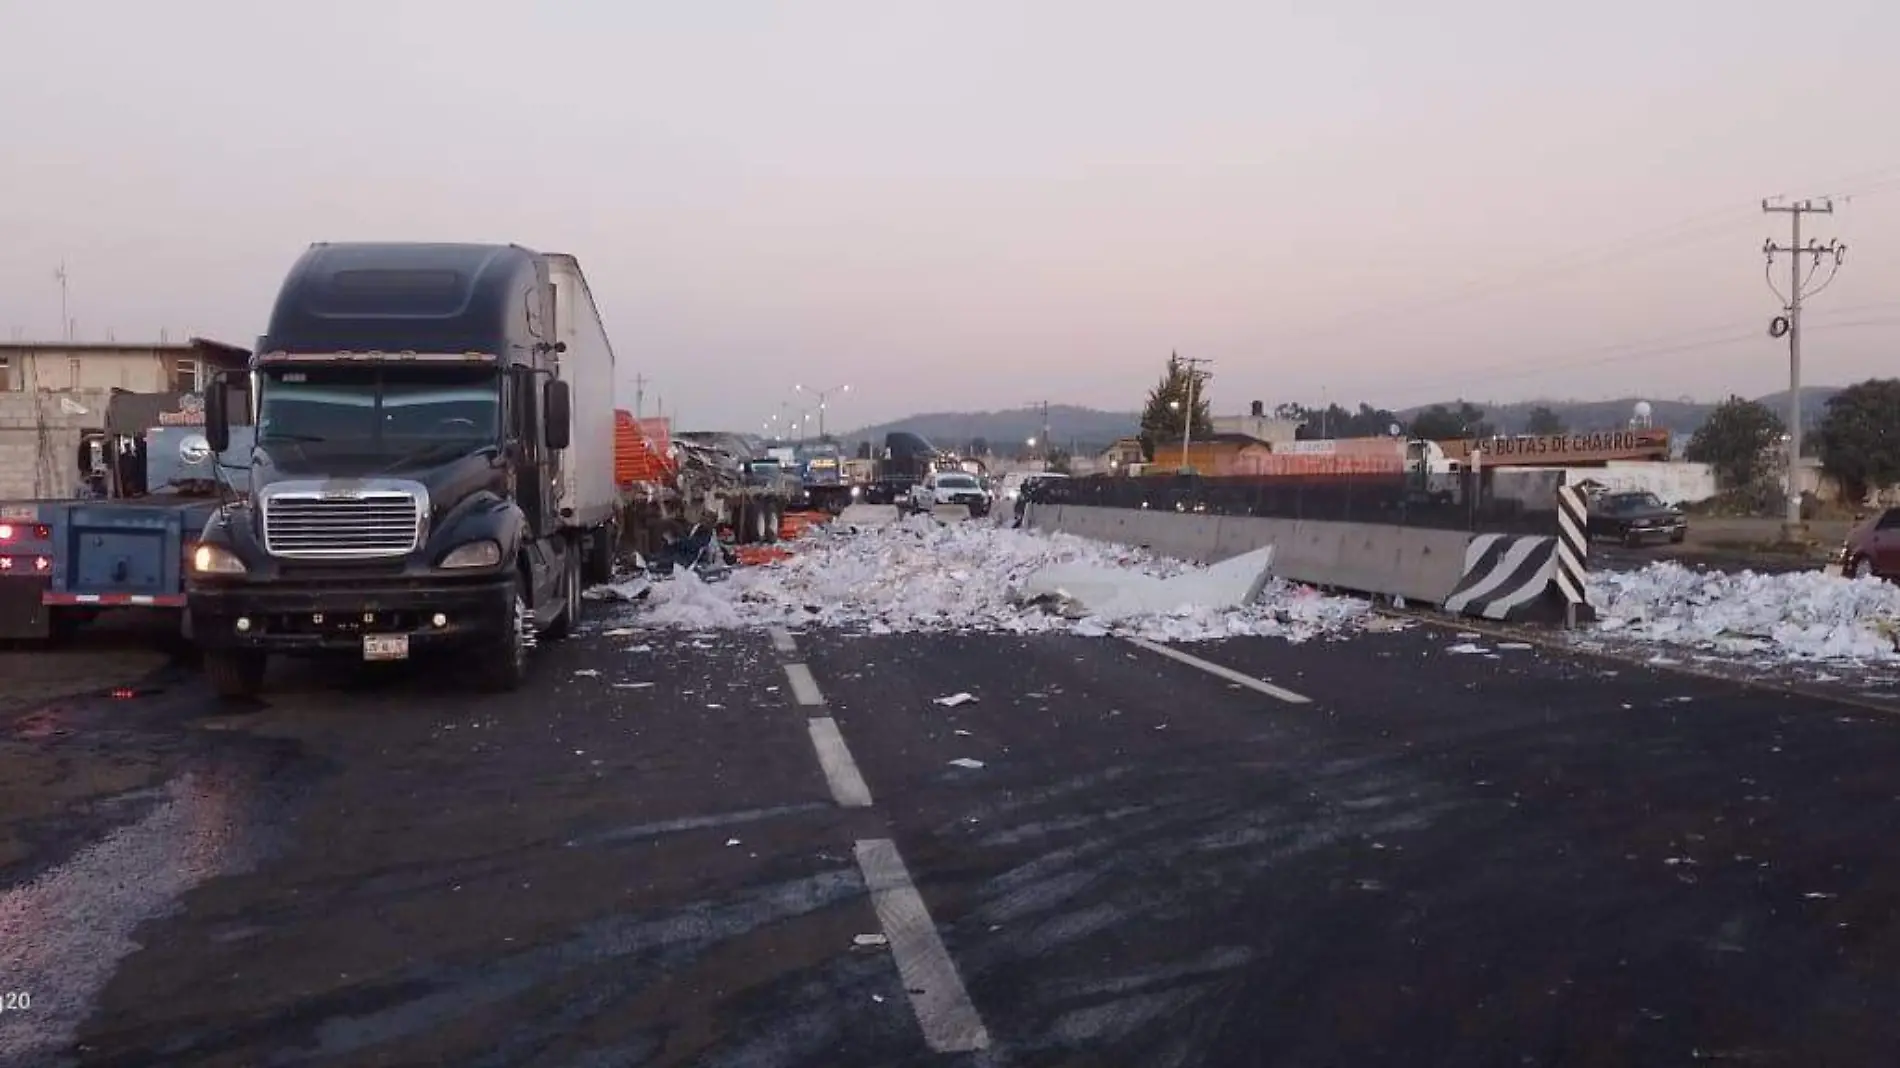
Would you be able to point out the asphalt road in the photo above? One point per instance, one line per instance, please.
(1358, 853)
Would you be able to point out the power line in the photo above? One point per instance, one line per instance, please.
(1695, 228)
(1625, 352)
(1688, 230)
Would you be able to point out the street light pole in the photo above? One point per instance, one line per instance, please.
(823, 395)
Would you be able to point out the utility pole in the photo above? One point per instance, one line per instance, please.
(65, 323)
(1194, 374)
(639, 395)
(1798, 284)
(1041, 442)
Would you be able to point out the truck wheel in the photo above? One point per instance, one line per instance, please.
(761, 522)
(774, 522)
(502, 667)
(235, 673)
(571, 586)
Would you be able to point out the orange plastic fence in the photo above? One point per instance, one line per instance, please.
(641, 449)
(794, 524)
(753, 555)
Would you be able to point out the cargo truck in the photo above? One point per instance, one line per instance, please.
(432, 468)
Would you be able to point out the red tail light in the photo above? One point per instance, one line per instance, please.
(37, 532)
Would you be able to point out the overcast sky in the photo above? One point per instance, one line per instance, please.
(988, 202)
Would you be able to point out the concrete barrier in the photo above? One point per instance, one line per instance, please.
(1494, 576)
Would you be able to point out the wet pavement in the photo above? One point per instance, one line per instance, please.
(676, 851)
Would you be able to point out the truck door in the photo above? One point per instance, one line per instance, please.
(533, 487)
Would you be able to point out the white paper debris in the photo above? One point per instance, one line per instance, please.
(1110, 594)
(955, 700)
(870, 940)
(966, 762)
(1516, 646)
(587, 673)
(619, 632)
(1803, 615)
(921, 576)
(631, 685)
(1466, 648)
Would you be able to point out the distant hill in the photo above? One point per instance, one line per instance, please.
(1003, 430)
(1681, 416)
(1094, 429)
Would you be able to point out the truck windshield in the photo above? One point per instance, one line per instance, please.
(379, 410)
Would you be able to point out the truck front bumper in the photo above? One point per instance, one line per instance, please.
(294, 618)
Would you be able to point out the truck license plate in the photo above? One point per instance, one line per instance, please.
(385, 646)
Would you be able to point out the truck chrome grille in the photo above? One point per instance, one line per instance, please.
(314, 526)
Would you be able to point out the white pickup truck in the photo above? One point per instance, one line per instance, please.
(951, 488)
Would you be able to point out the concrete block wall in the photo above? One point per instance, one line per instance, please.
(22, 474)
(1418, 564)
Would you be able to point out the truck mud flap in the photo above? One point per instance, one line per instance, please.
(22, 615)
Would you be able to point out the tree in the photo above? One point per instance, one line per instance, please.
(1164, 418)
(1445, 423)
(1860, 436)
(1736, 440)
(1059, 461)
(864, 450)
(979, 446)
(1542, 420)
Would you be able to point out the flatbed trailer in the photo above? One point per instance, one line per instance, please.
(64, 562)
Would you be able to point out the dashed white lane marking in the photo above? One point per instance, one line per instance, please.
(782, 640)
(804, 687)
(1237, 677)
(841, 772)
(944, 1011)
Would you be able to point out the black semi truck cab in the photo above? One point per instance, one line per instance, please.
(404, 495)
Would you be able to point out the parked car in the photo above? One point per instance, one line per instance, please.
(1636, 518)
(950, 487)
(1872, 548)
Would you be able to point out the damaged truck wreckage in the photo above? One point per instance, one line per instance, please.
(432, 470)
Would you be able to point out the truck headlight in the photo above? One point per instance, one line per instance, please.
(209, 559)
(474, 554)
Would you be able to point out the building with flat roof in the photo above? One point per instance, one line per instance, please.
(141, 367)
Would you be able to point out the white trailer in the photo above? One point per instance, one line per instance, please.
(586, 496)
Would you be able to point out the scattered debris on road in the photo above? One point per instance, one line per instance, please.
(918, 575)
(1803, 615)
(955, 699)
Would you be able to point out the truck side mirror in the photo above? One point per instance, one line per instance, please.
(217, 415)
(557, 425)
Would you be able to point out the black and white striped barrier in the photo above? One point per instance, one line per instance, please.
(1573, 552)
(1507, 577)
